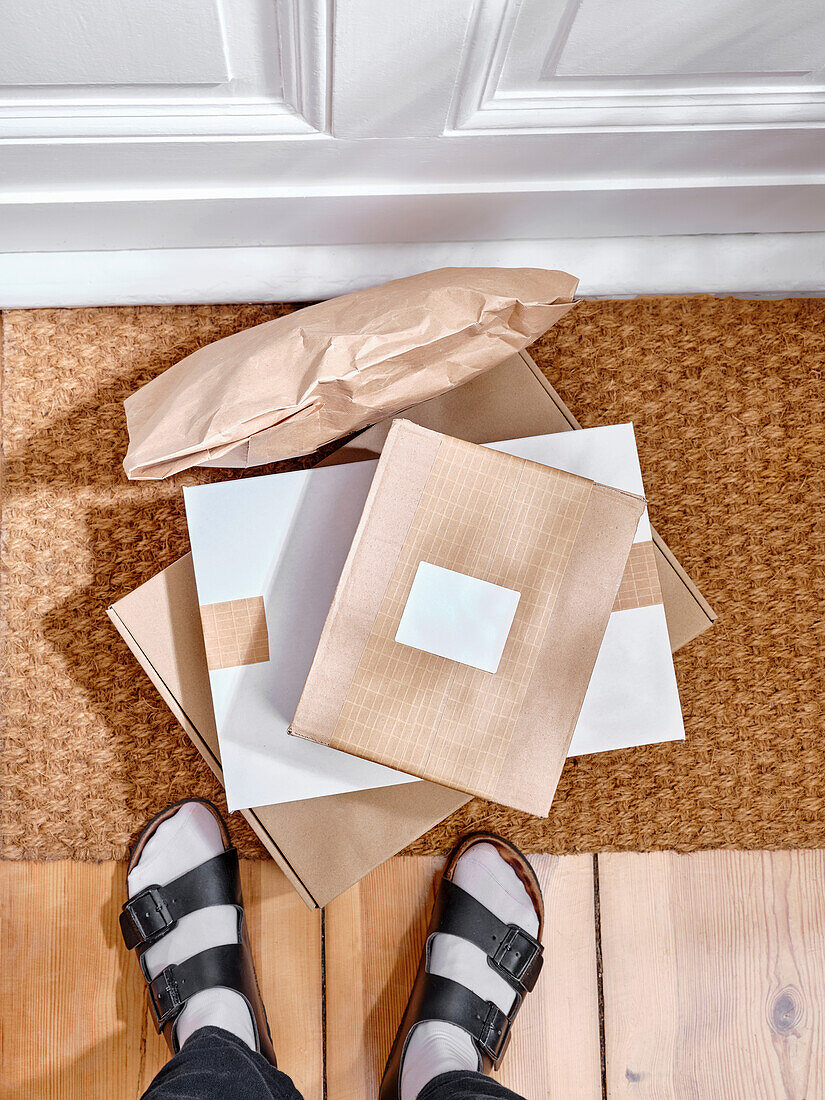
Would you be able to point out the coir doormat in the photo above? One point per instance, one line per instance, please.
(727, 399)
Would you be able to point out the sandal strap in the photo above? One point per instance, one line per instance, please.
(226, 966)
(511, 952)
(149, 915)
(489, 1027)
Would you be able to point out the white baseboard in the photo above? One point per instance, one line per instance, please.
(754, 265)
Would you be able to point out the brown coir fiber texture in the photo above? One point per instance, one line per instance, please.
(727, 399)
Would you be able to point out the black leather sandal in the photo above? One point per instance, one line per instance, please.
(511, 952)
(151, 914)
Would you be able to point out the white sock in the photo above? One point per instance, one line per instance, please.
(436, 1047)
(185, 840)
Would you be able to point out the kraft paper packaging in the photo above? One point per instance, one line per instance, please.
(326, 844)
(560, 541)
(287, 387)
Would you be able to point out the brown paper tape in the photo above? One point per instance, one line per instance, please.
(640, 582)
(234, 633)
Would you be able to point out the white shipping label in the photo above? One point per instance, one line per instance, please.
(458, 617)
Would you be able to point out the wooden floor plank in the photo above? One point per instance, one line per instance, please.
(714, 978)
(714, 975)
(75, 1022)
(374, 934)
(555, 1048)
(286, 941)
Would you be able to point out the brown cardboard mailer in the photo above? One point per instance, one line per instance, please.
(288, 387)
(468, 617)
(325, 845)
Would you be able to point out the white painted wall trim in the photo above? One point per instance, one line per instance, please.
(126, 220)
(759, 265)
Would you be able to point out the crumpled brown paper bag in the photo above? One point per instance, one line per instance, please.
(287, 387)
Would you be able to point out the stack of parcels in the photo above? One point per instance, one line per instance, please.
(358, 647)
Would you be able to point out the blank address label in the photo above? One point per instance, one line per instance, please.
(458, 617)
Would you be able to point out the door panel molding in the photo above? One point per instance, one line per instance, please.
(506, 84)
(283, 92)
(305, 133)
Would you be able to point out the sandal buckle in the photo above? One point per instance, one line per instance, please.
(518, 958)
(165, 1000)
(145, 918)
(495, 1033)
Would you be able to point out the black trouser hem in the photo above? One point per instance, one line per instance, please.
(464, 1084)
(214, 1064)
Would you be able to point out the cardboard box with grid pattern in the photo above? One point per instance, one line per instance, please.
(558, 540)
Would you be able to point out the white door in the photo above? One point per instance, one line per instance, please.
(226, 149)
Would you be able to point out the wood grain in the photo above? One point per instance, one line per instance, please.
(75, 1021)
(714, 978)
(714, 975)
(286, 941)
(554, 1052)
(374, 936)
